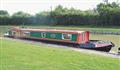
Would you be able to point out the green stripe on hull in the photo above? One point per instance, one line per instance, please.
(50, 35)
(74, 37)
(35, 34)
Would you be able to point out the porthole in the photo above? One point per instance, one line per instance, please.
(43, 34)
(53, 36)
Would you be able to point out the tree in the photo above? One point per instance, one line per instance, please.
(4, 17)
(21, 18)
(43, 18)
(107, 12)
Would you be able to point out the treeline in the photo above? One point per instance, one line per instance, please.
(104, 15)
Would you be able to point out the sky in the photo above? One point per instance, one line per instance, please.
(36, 6)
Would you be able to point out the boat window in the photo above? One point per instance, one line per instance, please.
(14, 33)
(26, 33)
(66, 36)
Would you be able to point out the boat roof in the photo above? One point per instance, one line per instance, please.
(51, 30)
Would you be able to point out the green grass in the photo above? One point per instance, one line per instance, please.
(25, 56)
(97, 29)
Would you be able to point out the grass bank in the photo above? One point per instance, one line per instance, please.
(24, 56)
(84, 28)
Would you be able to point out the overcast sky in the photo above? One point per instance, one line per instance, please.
(35, 6)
